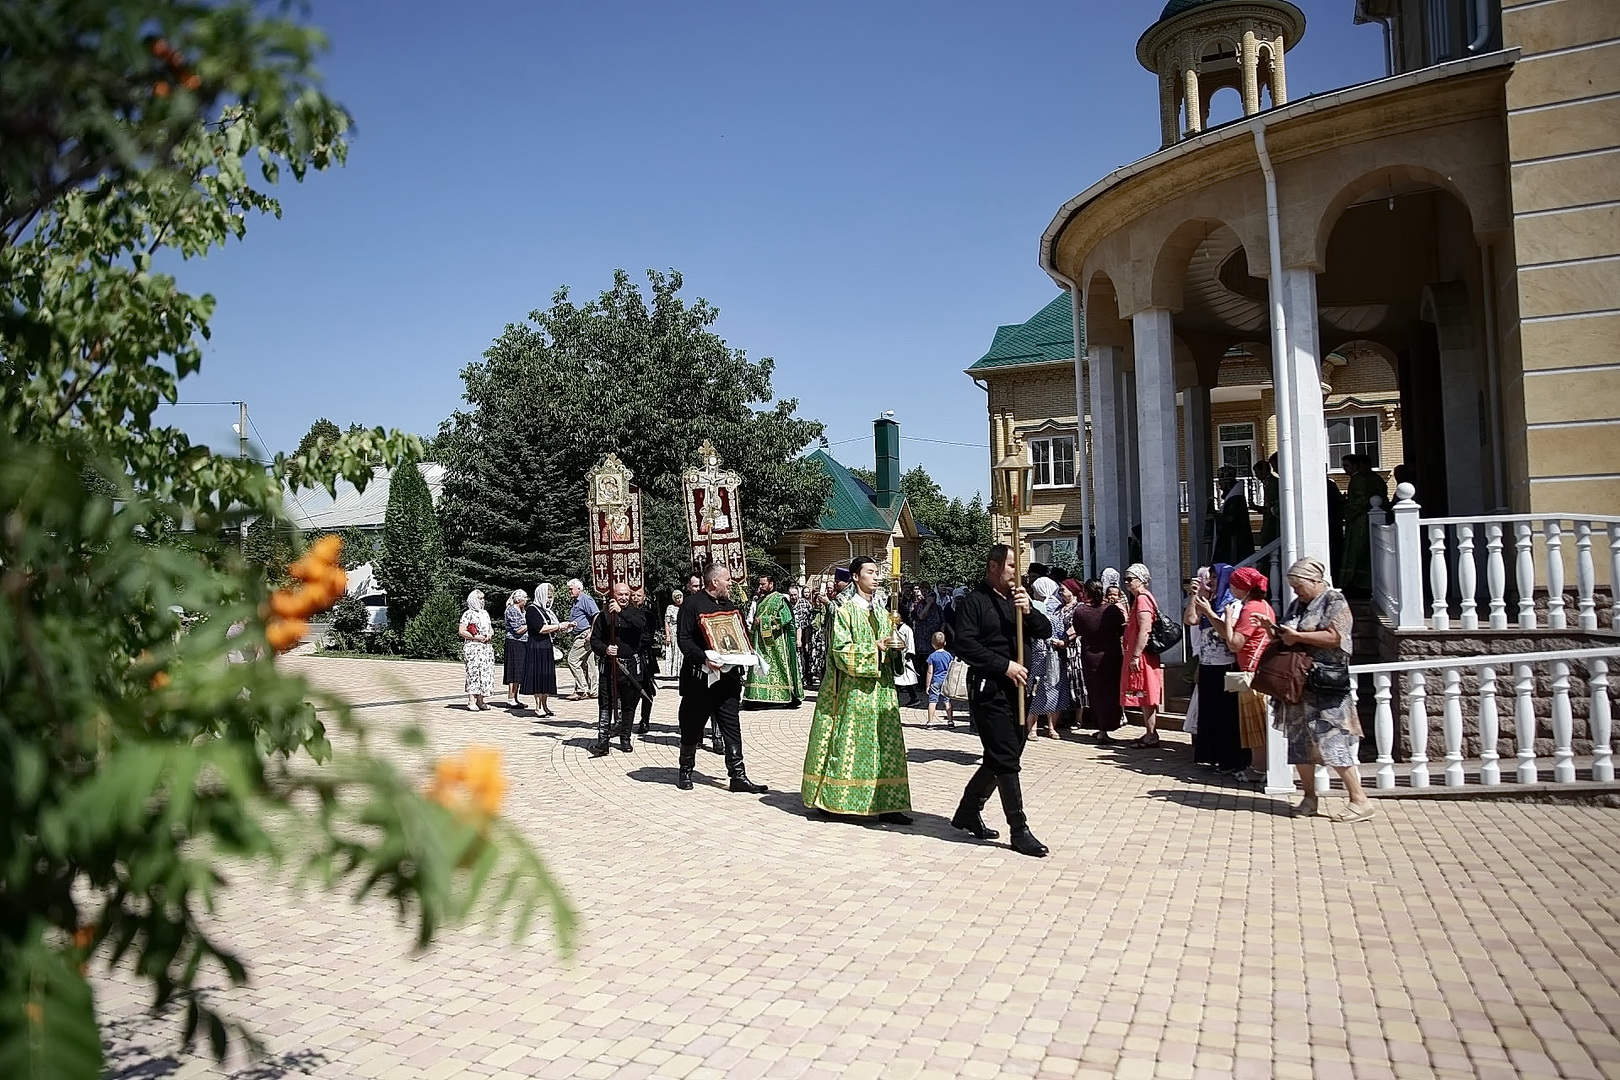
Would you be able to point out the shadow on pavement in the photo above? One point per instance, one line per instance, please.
(956, 757)
(930, 825)
(1218, 799)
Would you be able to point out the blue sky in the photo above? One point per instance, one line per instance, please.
(859, 187)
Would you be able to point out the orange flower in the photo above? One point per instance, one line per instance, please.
(192, 83)
(160, 89)
(283, 634)
(472, 786)
(84, 936)
(327, 549)
(160, 679)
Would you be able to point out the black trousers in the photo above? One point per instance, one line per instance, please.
(617, 717)
(994, 706)
(649, 688)
(722, 701)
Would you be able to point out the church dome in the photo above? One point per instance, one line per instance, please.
(1176, 7)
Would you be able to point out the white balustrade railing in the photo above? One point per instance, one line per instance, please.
(1445, 554)
(1403, 689)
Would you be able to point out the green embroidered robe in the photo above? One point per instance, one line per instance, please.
(776, 679)
(856, 760)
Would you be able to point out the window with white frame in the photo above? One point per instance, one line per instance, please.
(1053, 460)
(1353, 434)
(1237, 447)
(1055, 551)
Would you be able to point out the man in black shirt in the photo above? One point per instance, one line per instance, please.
(649, 659)
(707, 689)
(617, 637)
(985, 638)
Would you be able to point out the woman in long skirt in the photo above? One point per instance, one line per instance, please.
(1100, 629)
(517, 646)
(1050, 695)
(540, 669)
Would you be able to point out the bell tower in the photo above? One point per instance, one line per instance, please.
(1200, 46)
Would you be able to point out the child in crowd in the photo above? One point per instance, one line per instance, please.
(939, 664)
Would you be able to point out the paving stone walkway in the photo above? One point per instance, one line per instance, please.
(1180, 929)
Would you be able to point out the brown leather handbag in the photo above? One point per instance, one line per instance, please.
(1281, 673)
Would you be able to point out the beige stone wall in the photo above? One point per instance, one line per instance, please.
(1560, 289)
(1022, 399)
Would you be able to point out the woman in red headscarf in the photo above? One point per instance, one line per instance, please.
(1247, 639)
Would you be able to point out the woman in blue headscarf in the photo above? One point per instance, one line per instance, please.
(1217, 743)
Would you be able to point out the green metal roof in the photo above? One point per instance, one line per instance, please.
(1048, 335)
(1176, 7)
(850, 506)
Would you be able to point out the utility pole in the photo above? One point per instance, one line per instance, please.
(242, 451)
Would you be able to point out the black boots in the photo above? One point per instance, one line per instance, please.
(624, 742)
(716, 744)
(735, 770)
(683, 779)
(642, 728)
(969, 815)
(604, 731)
(1012, 804)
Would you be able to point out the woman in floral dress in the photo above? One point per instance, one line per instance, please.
(476, 651)
(1322, 729)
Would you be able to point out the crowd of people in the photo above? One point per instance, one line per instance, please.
(1091, 651)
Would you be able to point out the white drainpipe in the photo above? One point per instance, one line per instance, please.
(1281, 362)
(1082, 457)
(1279, 778)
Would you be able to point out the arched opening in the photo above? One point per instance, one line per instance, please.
(1225, 105)
(1401, 285)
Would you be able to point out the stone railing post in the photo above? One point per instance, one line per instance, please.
(1409, 559)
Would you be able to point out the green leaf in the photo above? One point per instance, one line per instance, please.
(47, 1017)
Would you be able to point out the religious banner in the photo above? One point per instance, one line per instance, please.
(614, 513)
(713, 513)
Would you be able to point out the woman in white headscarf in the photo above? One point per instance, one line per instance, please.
(1049, 692)
(540, 671)
(476, 651)
(1323, 728)
(1112, 593)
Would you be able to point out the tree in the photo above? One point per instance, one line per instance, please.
(955, 553)
(322, 429)
(135, 762)
(642, 376)
(412, 565)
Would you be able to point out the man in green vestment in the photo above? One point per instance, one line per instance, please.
(776, 680)
(856, 760)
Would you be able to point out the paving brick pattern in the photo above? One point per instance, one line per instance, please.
(1180, 929)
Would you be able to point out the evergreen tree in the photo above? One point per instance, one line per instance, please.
(411, 568)
(642, 376)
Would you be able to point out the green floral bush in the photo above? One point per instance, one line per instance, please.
(135, 761)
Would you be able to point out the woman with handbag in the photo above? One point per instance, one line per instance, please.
(1247, 641)
(1141, 681)
(1213, 608)
(1321, 727)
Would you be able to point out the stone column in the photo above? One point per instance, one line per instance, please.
(1309, 511)
(1279, 80)
(1169, 123)
(1250, 53)
(1157, 446)
(1130, 464)
(1200, 474)
(1195, 111)
(1106, 438)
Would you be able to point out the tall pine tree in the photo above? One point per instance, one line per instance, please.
(412, 565)
(641, 376)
